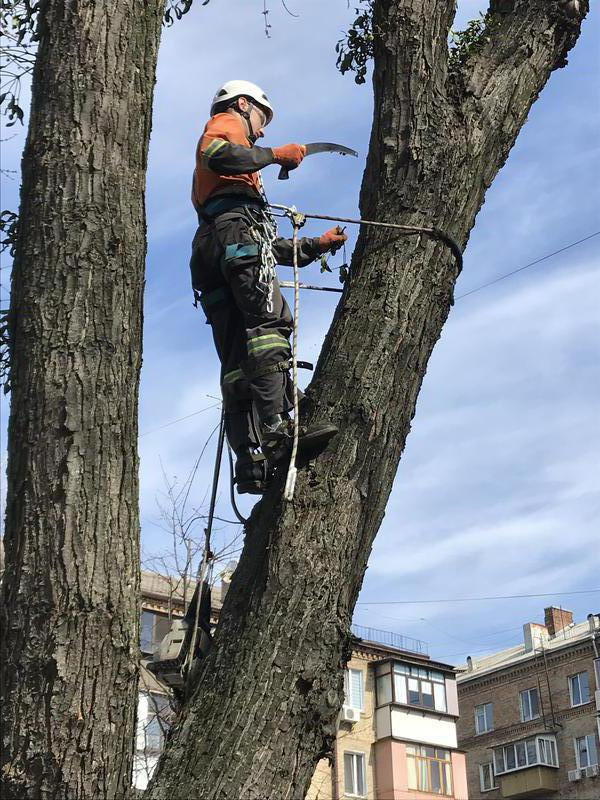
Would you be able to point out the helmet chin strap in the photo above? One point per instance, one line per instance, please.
(252, 137)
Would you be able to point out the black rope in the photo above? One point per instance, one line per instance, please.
(243, 520)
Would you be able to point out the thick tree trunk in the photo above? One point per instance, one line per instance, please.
(265, 708)
(72, 554)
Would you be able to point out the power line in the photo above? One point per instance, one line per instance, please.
(475, 599)
(181, 419)
(531, 264)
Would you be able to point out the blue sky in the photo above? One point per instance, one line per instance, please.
(497, 492)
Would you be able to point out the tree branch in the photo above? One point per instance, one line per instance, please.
(411, 38)
(500, 76)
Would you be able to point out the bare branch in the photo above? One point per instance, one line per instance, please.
(500, 74)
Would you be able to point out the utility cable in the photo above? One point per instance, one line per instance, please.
(289, 284)
(181, 419)
(475, 599)
(526, 266)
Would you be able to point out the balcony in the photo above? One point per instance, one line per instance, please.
(531, 782)
(390, 639)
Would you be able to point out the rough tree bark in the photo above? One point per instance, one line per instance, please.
(72, 555)
(266, 704)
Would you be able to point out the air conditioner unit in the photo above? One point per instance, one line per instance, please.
(350, 714)
(592, 772)
(574, 775)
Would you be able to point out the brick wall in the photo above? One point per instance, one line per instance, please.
(502, 688)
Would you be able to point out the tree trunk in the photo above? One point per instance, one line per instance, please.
(72, 540)
(265, 708)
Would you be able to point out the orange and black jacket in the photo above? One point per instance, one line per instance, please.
(226, 161)
(228, 164)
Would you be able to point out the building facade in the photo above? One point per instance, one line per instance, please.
(530, 715)
(397, 736)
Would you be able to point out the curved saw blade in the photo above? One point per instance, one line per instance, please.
(321, 147)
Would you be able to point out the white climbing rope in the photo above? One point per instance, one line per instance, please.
(297, 220)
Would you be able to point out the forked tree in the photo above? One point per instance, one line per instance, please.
(266, 703)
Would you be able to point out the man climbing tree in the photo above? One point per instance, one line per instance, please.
(234, 254)
(265, 707)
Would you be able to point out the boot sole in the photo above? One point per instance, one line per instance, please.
(310, 445)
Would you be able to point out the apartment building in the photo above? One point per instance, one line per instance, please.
(397, 735)
(530, 714)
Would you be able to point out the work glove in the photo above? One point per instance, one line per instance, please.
(332, 239)
(289, 155)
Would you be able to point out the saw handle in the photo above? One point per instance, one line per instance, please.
(284, 174)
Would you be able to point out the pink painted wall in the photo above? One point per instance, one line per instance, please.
(384, 769)
(391, 777)
(459, 775)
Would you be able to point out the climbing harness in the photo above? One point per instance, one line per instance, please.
(263, 230)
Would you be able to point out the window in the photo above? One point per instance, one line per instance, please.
(429, 769)
(487, 779)
(586, 752)
(415, 686)
(526, 753)
(579, 689)
(354, 693)
(153, 628)
(484, 718)
(355, 784)
(384, 689)
(154, 723)
(530, 704)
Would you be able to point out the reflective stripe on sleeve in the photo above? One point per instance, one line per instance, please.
(214, 147)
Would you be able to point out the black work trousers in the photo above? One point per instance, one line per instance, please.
(252, 341)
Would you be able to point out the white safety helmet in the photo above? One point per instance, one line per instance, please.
(233, 89)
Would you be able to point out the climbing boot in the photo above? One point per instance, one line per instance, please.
(251, 472)
(277, 435)
(314, 438)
